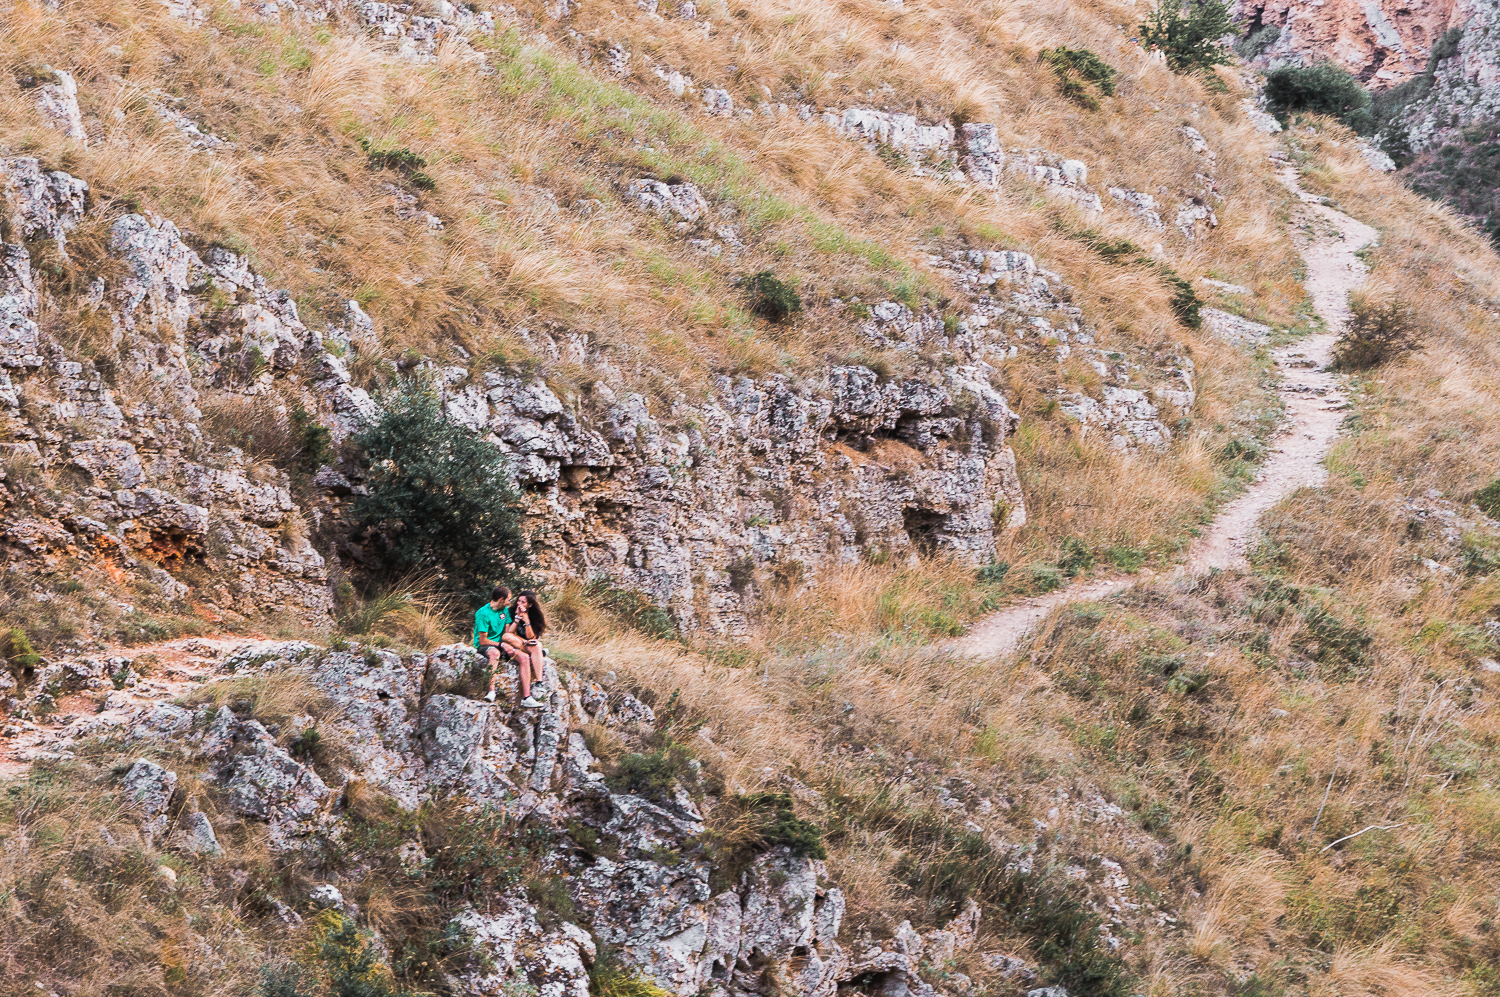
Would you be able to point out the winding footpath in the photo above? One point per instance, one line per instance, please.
(1328, 241)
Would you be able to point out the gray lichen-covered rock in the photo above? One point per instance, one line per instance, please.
(520, 951)
(152, 516)
(196, 836)
(148, 789)
(41, 202)
(683, 200)
(261, 781)
(58, 103)
(636, 876)
(1234, 328)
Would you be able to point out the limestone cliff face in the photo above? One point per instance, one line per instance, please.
(1383, 42)
(683, 498)
(1461, 86)
(666, 496)
(1436, 62)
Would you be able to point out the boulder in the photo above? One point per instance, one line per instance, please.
(148, 790)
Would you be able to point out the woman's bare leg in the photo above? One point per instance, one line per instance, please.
(517, 648)
(536, 661)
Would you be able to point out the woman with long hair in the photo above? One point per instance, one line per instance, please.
(522, 640)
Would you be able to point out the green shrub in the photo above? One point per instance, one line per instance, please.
(1076, 557)
(306, 744)
(1488, 499)
(632, 608)
(314, 442)
(743, 827)
(1257, 41)
(1327, 639)
(19, 655)
(1322, 88)
(655, 776)
(1323, 637)
(1188, 32)
(403, 161)
(771, 297)
(1461, 173)
(1154, 816)
(439, 495)
(1126, 558)
(994, 572)
(1079, 73)
(552, 899)
(773, 824)
(1377, 332)
(1185, 683)
(1241, 448)
(1046, 577)
(353, 967)
(1114, 250)
(472, 854)
(1479, 555)
(609, 977)
(1185, 303)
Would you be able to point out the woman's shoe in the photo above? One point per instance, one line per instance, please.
(489, 697)
(532, 704)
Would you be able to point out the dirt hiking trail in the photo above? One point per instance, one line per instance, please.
(1329, 242)
(180, 666)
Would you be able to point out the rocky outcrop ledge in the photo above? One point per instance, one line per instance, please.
(649, 900)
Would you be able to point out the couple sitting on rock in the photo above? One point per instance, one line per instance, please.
(513, 630)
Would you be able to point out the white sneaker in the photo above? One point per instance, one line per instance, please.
(532, 704)
(541, 690)
(489, 697)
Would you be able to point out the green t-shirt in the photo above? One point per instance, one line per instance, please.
(490, 622)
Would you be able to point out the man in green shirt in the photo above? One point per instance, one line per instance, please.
(490, 621)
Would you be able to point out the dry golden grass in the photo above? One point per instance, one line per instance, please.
(87, 906)
(281, 700)
(511, 151)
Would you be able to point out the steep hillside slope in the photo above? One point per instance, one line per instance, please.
(1040, 329)
(564, 267)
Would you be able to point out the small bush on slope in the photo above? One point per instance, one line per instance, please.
(440, 496)
(1378, 332)
(1323, 88)
(1077, 71)
(745, 826)
(1188, 32)
(1257, 41)
(1488, 499)
(403, 161)
(772, 297)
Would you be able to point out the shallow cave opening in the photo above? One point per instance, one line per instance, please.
(876, 984)
(924, 528)
(169, 547)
